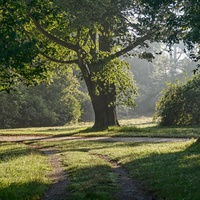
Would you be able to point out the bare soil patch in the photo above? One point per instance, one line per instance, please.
(58, 177)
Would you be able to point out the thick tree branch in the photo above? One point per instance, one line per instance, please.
(53, 38)
(138, 42)
(49, 57)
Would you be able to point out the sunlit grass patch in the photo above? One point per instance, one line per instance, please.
(134, 131)
(23, 173)
(130, 128)
(170, 170)
(139, 122)
(43, 131)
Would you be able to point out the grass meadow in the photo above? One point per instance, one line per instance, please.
(169, 170)
(143, 127)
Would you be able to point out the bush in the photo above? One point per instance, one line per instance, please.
(180, 104)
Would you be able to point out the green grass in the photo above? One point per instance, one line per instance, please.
(169, 170)
(90, 177)
(44, 131)
(143, 127)
(22, 172)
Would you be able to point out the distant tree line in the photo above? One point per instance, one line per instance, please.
(151, 77)
(54, 104)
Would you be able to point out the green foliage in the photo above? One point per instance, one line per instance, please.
(182, 20)
(18, 52)
(24, 108)
(117, 74)
(59, 103)
(61, 32)
(180, 103)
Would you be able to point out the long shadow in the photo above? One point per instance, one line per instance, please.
(30, 190)
(50, 130)
(18, 191)
(13, 152)
(92, 183)
(172, 170)
(163, 174)
(160, 131)
(97, 182)
(104, 183)
(171, 175)
(87, 146)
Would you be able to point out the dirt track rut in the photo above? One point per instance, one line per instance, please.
(130, 188)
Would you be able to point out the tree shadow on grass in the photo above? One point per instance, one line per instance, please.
(60, 130)
(92, 183)
(15, 190)
(171, 175)
(30, 190)
(87, 146)
(13, 151)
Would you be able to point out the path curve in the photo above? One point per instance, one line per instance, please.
(131, 188)
(24, 138)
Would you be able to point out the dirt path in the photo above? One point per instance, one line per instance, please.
(58, 177)
(106, 139)
(130, 188)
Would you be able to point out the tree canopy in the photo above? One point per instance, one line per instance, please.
(92, 35)
(183, 22)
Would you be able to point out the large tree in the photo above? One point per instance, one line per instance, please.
(92, 35)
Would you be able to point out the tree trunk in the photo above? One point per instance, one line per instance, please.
(104, 104)
(104, 110)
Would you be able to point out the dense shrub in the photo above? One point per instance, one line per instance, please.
(180, 103)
